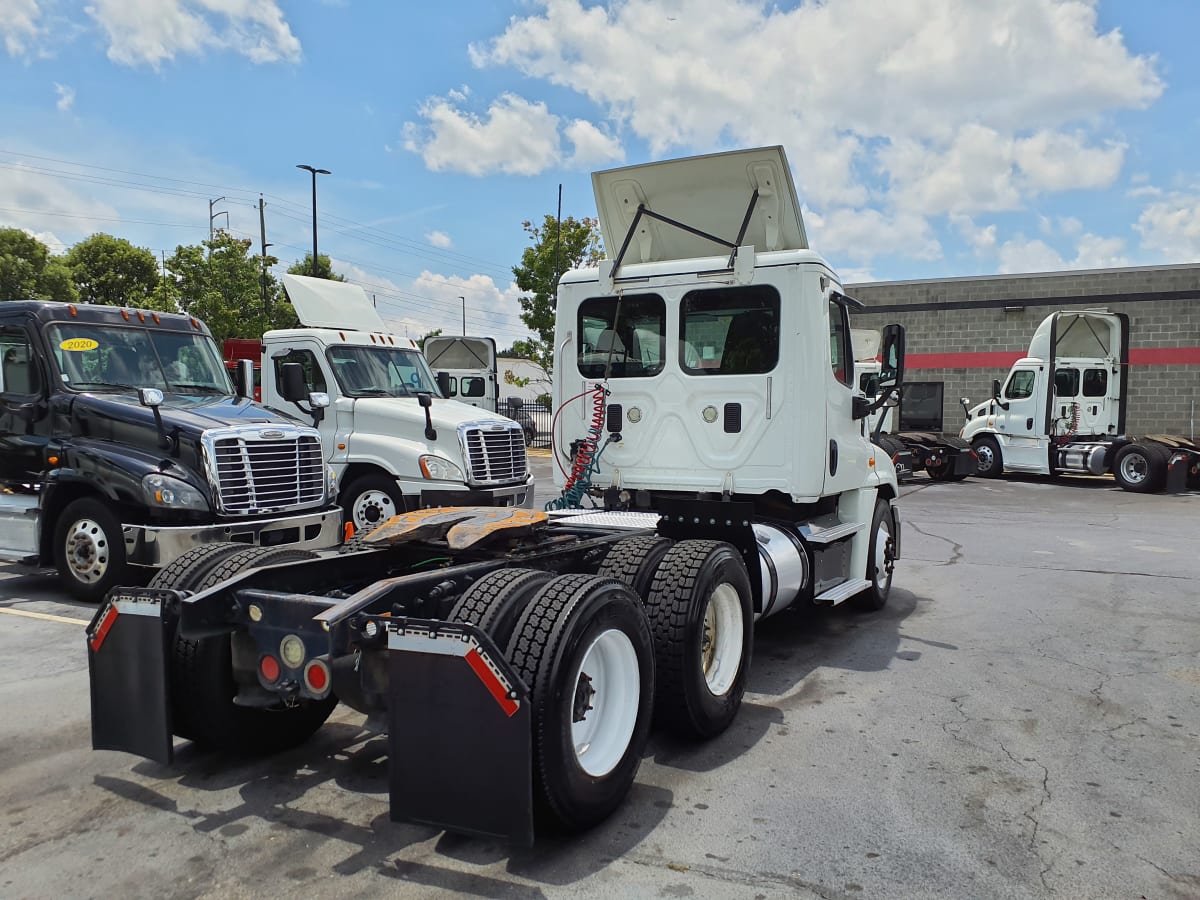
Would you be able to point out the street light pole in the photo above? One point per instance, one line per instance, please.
(464, 302)
(315, 173)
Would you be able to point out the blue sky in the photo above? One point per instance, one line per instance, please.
(927, 138)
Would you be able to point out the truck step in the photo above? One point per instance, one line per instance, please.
(18, 525)
(828, 529)
(843, 591)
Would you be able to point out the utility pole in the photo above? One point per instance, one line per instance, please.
(262, 227)
(315, 173)
(464, 302)
(212, 215)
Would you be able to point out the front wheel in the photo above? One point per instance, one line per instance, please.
(881, 559)
(583, 648)
(89, 550)
(989, 462)
(370, 500)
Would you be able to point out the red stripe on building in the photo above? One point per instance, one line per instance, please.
(491, 682)
(1003, 359)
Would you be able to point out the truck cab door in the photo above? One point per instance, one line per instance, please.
(316, 377)
(24, 416)
(1020, 426)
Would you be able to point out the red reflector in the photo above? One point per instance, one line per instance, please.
(269, 667)
(316, 676)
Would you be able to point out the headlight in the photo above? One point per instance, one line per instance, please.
(438, 468)
(170, 493)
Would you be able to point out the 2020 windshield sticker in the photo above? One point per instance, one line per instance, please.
(78, 345)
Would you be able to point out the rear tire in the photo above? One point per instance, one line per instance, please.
(583, 648)
(203, 686)
(1141, 468)
(634, 561)
(989, 461)
(701, 615)
(495, 602)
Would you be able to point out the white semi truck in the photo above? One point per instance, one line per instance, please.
(516, 659)
(394, 441)
(1063, 408)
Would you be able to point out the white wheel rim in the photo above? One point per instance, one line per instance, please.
(721, 639)
(882, 536)
(604, 702)
(371, 509)
(1134, 468)
(87, 551)
(984, 454)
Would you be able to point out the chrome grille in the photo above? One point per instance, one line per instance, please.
(495, 453)
(256, 474)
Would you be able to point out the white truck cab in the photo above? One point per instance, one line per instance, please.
(465, 368)
(1062, 409)
(394, 441)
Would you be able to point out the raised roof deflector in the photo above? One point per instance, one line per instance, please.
(700, 206)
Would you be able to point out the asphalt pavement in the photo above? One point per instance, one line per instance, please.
(1022, 720)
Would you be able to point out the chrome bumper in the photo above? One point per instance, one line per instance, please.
(157, 546)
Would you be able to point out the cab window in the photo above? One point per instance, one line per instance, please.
(729, 331)
(1066, 383)
(840, 351)
(621, 337)
(1020, 385)
(19, 372)
(313, 376)
(1095, 382)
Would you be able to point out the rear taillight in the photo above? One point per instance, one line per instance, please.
(316, 677)
(268, 668)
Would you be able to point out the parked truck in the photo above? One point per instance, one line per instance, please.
(1063, 409)
(124, 447)
(393, 440)
(465, 368)
(516, 658)
(924, 448)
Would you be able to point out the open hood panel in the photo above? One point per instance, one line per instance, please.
(454, 353)
(709, 193)
(321, 303)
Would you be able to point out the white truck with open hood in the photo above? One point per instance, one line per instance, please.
(394, 441)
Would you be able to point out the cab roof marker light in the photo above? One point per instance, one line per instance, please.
(72, 310)
(125, 314)
(155, 316)
(141, 316)
(195, 324)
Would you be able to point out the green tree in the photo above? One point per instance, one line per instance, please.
(324, 267)
(28, 271)
(553, 251)
(219, 282)
(111, 271)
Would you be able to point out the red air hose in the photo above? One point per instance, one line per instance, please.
(587, 447)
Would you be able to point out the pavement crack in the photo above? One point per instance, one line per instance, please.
(955, 547)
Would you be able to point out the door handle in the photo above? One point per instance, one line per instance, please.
(833, 457)
(1029, 423)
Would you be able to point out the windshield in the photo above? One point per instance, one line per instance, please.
(381, 371)
(119, 357)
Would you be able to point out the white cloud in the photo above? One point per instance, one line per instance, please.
(859, 235)
(37, 203)
(516, 137)
(66, 97)
(1091, 252)
(961, 97)
(150, 33)
(1171, 227)
(439, 239)
(982, 239)
(19, 25)
(592, 146)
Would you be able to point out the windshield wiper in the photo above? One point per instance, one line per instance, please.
(116, 386)
(197, 388)
(373, 392)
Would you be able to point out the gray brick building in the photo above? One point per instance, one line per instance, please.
(965, 332)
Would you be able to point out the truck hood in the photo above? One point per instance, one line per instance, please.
(404, 415)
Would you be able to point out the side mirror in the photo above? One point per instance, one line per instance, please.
(443, 383)
(995, 388)
(426, 400)
(243, 378)
(292, 386)
(862, 407)
(869, 384)
(151, 397)
(891, 371)
(965, 402)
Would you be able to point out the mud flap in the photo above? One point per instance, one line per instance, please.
(127, 666)
(1177, 473)
(962, 461)
(459, 742)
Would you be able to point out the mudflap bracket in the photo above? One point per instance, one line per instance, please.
(459, 739)
(128, 644)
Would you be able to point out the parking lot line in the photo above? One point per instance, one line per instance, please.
(47, 616)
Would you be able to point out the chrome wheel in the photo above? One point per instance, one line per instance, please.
(604, 703)
(87, 551)
(884, 556)
(371, 509)
(984, 457)
(1135, 468)
(721, 638)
